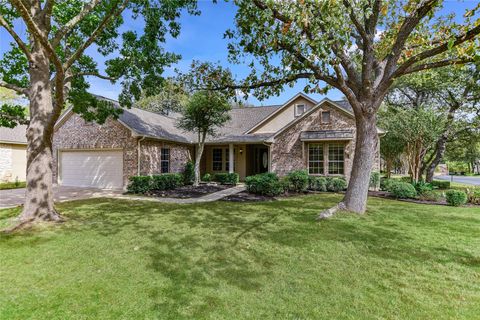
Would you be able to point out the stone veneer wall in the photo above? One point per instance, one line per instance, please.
(75, 133)
(288, 154)
(150, 153)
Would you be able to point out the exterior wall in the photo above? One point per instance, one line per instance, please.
(240, 159)
(284, 117)
(289, 153)
(13, 162)
(150, 152)
(76, 134)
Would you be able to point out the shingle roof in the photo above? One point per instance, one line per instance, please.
(344, 104)
(15, 135)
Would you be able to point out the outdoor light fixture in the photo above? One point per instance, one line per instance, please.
(241, 150)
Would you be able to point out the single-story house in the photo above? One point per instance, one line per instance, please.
(299, 134)
(13, 153)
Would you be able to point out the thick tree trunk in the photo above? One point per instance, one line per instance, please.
(365, 150)
(198, 158)
(439, 153)
(38, 204)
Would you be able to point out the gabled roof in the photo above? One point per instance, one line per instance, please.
(17, 135)
(286, 104)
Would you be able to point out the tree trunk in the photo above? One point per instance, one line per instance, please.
(389, 168)
(198, 158)
(39, 204)
(365, 150)
(441, 147)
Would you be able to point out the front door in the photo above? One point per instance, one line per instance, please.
(260, 159)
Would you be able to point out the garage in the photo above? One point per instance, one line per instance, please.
(91, 168)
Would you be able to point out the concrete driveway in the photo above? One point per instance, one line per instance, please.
(475, 181)
(15, 197)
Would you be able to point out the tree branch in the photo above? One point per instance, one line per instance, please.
(257, 85)
(13, 87)
(94, 74)
(16, 37)
(433, 65)
(87, 8)
(106, 20)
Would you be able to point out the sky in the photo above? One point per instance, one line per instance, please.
(201, 38)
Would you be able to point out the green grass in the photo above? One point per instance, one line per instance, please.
(12, 185)
(141, 260)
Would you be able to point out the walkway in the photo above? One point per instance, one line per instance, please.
(15, 197)
(207, 198)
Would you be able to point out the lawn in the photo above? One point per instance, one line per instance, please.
(141, 260)
(12, 185)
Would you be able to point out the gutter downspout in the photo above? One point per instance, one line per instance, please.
(139, 154)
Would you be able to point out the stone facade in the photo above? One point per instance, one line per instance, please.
(289, 153)
(150, 154)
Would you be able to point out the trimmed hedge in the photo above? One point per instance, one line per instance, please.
(386, 183)
(336, 184)
(317, 183)
(207, 177)
(441, 184)
(422, 187)
(473, 196)
(226, 178)
(297, 181)
(265, 184)
(402, 190)
(144, 184)
(456, 198)
(189, 173)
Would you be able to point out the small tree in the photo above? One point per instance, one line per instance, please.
(204, 113)
(392, 145)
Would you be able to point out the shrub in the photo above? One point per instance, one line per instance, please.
(386, 183)
(456, 197)
(441, 184)
(473, 196)
(374, 180)
(167, 181)
(402, 190)
(336, 184)
(189, 173)
(207, 177)
(297, 181)
(422, 186)
(226, 178)
(430, 195)
(265, 184)
(139, 184)
(406, 179)
(317, 183)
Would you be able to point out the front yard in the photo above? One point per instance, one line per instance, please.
(117, 259)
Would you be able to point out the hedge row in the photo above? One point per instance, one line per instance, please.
(144, 184)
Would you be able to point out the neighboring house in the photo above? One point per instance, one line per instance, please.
(300, 134)
(13, 153)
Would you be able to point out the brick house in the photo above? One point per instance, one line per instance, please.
(300, 134)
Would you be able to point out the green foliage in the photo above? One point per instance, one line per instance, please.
(374, 180)
(226, 178)
(205, 112)
(265, 184)
(336, 184)
(189, 173)
(385, 183)
(139, 184)
(172, 96)
(456, 198)
(12, 185)
(403, 190)
(430, 195)
(11, 115)
(441, 184)
(297, 181)
(473, 196)
(421, 187)
(317, 183)
(166, 181)
(207, 177)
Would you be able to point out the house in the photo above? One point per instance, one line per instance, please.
(299, 134)
(13, 153)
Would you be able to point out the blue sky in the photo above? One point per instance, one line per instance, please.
(201, 38)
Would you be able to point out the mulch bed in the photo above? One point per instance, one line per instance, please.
(189, 191)
(244, 196)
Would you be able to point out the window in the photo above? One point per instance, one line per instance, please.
(299, 109)
(165, 160)
(315, 158)
(335, 158)
(326, 117)
(217, 159)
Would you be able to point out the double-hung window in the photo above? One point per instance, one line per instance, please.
(326, 158)
(165, 160)
(300, 109)
(217, 159)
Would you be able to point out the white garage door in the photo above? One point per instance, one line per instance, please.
(98, 169)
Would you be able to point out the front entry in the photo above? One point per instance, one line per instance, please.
(260, 159)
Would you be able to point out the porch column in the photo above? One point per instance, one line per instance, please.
(230, 158)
